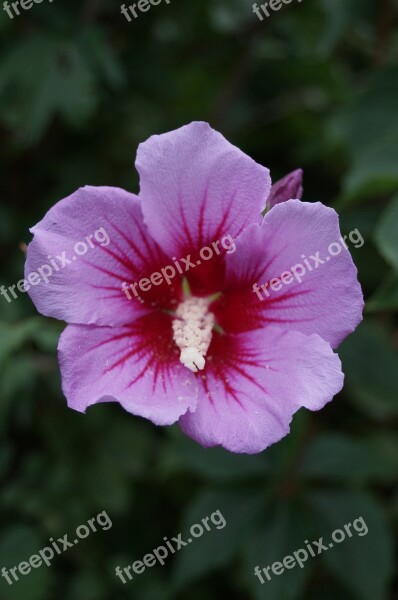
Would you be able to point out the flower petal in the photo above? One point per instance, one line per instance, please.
(137, 366)
(288, 188)
(328, 300)
(253, 384)
(88, 288)
(197, 187)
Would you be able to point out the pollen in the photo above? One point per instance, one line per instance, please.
(193, 331)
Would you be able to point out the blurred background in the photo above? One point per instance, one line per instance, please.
(313, 86)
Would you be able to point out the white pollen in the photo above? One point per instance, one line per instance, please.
(192, 332)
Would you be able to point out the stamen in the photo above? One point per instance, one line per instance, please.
(192, 332)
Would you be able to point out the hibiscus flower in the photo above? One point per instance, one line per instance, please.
(203, 349)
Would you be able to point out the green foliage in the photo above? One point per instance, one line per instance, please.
(17, 544)
(218, 547)
(283, 534)
(313, 86)
(371, 134)
(387, 234)
(334, 457)
(371, 367)
(72, 70)
(374, 547)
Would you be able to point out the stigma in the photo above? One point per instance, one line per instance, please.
(192, 332)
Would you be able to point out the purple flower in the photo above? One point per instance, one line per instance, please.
(288, 188)
(231, 365)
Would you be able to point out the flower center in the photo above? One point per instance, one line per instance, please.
(192, 332)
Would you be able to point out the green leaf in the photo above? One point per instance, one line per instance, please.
(102, 56)
(18, 378)
(338, 16)
(87, 586)
(359, 223)
(18, 544)
(284, 533)
(229, 18)
(363, 562)
(331, 592)
(47, 336)
(12, 337)
(386, 297)
(183, 455)
(149, 589)
(374, 170)
(333, 456)
(371, 126)
(373, 115)
(371, 367)
(386, 234)
(41, 77)
(217, 547)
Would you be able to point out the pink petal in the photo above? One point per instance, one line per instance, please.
(137, 366)
(328, 301)
(197, 187)
(255, 382)
(88, 290)
(288, 188)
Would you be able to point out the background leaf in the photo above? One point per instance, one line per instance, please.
(334, 510)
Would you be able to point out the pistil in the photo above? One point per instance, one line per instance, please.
(193, 332)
